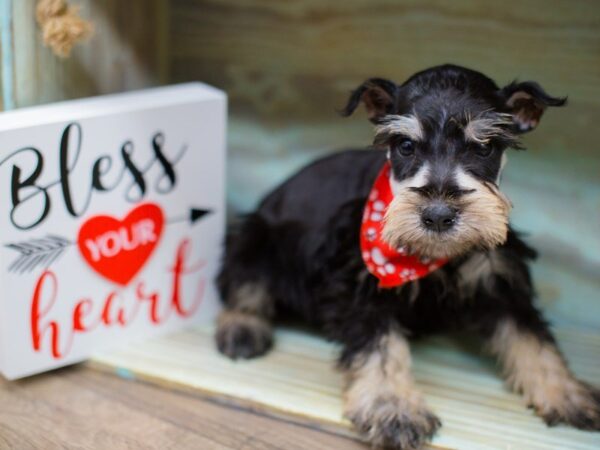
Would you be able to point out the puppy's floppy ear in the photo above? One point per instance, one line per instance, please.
(378, 95)
(526, 102)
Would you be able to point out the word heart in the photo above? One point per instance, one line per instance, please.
(58, 331)
(118, 249)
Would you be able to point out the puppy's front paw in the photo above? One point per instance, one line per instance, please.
(578, 406)
(394, 423)
(243, 335)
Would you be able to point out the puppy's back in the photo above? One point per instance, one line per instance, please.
(315, 193)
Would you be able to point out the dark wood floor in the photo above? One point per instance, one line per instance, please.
(82, 408)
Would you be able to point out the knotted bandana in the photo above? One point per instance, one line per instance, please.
(392, 266)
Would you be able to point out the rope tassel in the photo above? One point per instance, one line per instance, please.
(61, 26)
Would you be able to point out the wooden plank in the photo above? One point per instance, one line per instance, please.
(6, 54)
(288, 65)
(292, 61)
(4, 36)
(297, 379)
(128, 51)
(86, 409)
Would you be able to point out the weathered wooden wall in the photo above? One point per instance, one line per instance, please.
(287, 66)
(128, 51)
(293, 60)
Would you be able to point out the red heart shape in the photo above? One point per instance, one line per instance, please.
(118, 249)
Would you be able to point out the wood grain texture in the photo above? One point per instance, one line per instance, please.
(6, 44)
(129, 50)
(289, 61)
(84, 409)
(463, 387)
(297, 379)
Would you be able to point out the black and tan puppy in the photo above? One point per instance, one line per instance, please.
(319, 246)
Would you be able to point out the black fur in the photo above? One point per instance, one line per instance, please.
(310, 260)
(302, 243)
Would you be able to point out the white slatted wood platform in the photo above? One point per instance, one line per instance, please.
(464, 388)
(297, 379)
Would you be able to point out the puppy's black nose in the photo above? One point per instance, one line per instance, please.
(438, 217)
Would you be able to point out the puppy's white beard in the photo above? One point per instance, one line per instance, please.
(482, 220)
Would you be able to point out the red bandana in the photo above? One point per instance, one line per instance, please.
(392, 266)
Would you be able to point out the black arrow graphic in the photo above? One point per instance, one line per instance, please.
(44, 251)
(197, 214)
(193, 215)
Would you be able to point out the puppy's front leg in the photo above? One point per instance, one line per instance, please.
(381, 399)
(534, 366)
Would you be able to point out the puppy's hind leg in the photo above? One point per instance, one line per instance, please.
(521, 340)
(534, 366)
(244, 326)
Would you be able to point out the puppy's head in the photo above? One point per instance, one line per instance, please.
(445, 131)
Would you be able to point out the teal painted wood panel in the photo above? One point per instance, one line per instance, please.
(291, 62)
(6, 56)
(553, 195)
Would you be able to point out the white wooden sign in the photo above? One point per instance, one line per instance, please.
(112, 215)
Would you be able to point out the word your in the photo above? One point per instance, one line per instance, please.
(124, 238)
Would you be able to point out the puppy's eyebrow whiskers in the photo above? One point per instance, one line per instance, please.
(484, 128)
(406, 125)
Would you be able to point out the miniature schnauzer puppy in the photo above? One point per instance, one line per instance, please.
(325, 246)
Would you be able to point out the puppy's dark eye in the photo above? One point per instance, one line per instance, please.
(483, 150)
(405, 147)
